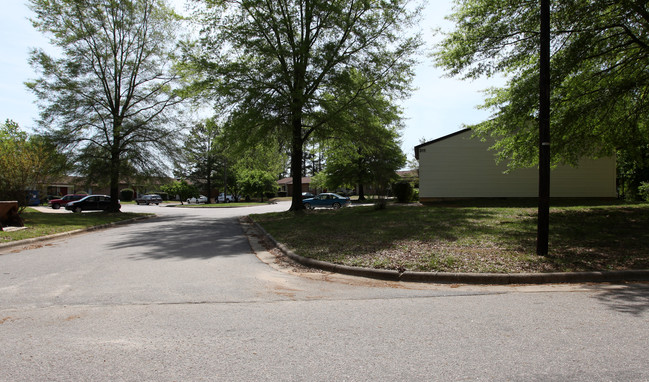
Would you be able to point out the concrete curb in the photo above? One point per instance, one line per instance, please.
(24, 242)
(464, 278)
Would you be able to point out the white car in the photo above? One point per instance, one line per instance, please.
(225, 198)
(200, 199)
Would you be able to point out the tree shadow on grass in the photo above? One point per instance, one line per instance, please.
(182, 238)
(631, 299)
(595, 239)
(600, 236)
(324, 234)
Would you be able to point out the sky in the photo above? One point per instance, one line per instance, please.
(438, 107)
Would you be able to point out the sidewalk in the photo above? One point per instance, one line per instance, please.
(51, 210)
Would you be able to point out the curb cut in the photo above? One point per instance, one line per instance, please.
(24, 242)
(464, 278)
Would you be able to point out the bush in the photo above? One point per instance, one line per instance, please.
(380, 204)
(643, 191)
(126, 195)
(403, 191)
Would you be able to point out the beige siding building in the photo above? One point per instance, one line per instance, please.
(456, 166)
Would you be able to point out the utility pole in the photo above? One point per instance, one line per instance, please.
(544, 133)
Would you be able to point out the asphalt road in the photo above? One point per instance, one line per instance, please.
(182, 297)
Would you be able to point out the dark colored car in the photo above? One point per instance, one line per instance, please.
(148, 199)
(327, 199)
(91, 203)
(58, 203)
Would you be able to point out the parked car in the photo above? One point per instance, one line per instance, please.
(148, 199)
(91, 203)
(307, 195)
(62, 202)
(200, 199)
(327, 199)
(225, 198)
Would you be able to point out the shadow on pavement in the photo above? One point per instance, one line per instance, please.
(167, 237)
(631, 298)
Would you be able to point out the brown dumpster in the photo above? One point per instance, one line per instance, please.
(9, 214)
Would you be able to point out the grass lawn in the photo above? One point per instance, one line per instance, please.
(42, 224)
(470, 236)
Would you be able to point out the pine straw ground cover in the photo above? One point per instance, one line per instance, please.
(470, 237)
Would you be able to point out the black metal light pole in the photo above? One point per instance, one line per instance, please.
(544, 133)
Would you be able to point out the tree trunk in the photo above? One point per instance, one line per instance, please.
(115, 165)
(225, 180)
(296, 164)
(114, 178)
(359, 164)
(209, 182)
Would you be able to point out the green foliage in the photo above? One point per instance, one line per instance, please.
(108, 98)
(321, 180)
(26, 162)
(180, 190)
(403, 191)
(203, 158)
(258, 167)
(633, 170)
(126, 194)
(365, 149)
(599, 77)
(643, 191)
(257, 182)
(276, 64)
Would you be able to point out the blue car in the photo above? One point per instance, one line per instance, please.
(327, 199)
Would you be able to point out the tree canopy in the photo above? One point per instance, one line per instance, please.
(257, 168)
(275, 63)
(26, 162)
(201, 155)
(600, 81)
(107, 93)
(180, 190)
(363, 148)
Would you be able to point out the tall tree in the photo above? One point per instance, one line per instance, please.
(180, 190)
(357, 163)
(201, 156)
(255, 167)
(598, 68)
(274, 61)
(109, 94)
(26, 162)
(364, 147)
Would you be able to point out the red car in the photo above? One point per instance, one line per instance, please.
(57, 203)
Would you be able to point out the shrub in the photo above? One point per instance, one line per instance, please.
(126, 194)
(643, 191)
(403, 191)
